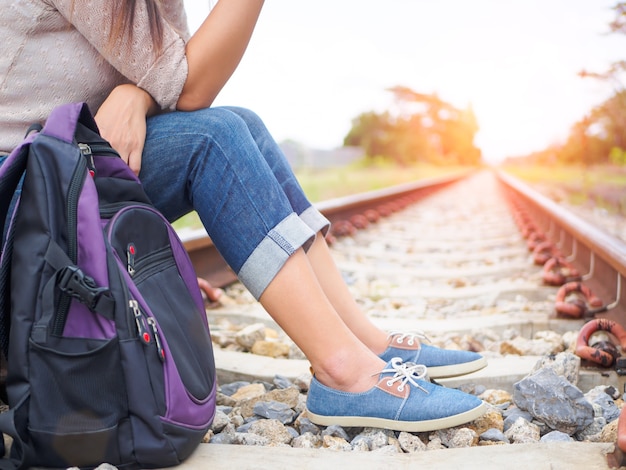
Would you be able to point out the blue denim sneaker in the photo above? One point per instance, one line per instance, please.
(402, 401)
(441, 363)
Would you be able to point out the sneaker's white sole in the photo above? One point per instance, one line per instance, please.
(408, 426)
(443, 372)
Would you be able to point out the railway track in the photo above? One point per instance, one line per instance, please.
(462, 259)
(347, 214)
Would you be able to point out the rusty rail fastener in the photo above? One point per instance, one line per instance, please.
(605, 357)
(558, 271)
(575, 300)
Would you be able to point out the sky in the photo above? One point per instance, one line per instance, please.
(312, 67)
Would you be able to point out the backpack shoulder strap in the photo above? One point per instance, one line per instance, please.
(21, 451)
(16, 458)
(11, 173)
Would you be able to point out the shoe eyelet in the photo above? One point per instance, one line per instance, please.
(389, 383)
(411, 342)
(400, 388)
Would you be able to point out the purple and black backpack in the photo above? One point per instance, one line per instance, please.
(101, 318)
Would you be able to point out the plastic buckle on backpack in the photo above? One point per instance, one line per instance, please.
(73, 282)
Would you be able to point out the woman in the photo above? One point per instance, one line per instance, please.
(152, 86)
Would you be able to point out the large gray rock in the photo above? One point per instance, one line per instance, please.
(553, 400)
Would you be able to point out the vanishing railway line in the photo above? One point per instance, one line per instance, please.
(475, 261)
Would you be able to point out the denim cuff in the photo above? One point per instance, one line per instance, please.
(314, 219)
(273, 252)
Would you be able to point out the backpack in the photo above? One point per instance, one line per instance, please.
(102, 321)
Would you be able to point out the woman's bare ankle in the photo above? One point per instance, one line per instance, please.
(349, 372)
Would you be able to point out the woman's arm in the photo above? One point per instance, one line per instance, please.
(215, 50)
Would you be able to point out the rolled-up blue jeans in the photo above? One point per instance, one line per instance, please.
(223, 163)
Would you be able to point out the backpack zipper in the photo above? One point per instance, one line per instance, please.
(157, 338)
(83, 166)
(88, 154)
(146, 266)
(109, 210)
(140, 320)
(102, 149)
(73, 193)
(88, 150)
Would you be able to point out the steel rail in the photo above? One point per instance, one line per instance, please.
(343, 208)
(210, 265)
(600, 257)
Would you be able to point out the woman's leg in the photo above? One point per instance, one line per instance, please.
(441, 362)
(207, 161)
(282, 171)
(339, 359)
(324, 267)
(337, 292)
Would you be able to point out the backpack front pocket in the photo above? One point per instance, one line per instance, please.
(179, 333)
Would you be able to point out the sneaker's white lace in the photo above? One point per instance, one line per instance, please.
(406, 372)
(412, 337)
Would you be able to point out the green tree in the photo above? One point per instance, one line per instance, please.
(372, 132)
(423, 128)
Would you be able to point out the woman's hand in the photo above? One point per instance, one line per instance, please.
(122, 121)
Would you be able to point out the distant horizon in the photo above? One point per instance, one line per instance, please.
(312, 68)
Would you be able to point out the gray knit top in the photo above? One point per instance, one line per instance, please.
(51, 54)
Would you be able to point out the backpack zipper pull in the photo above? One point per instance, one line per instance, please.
(131, 251)
(157, 339)
(87, 153)
(139, 321)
